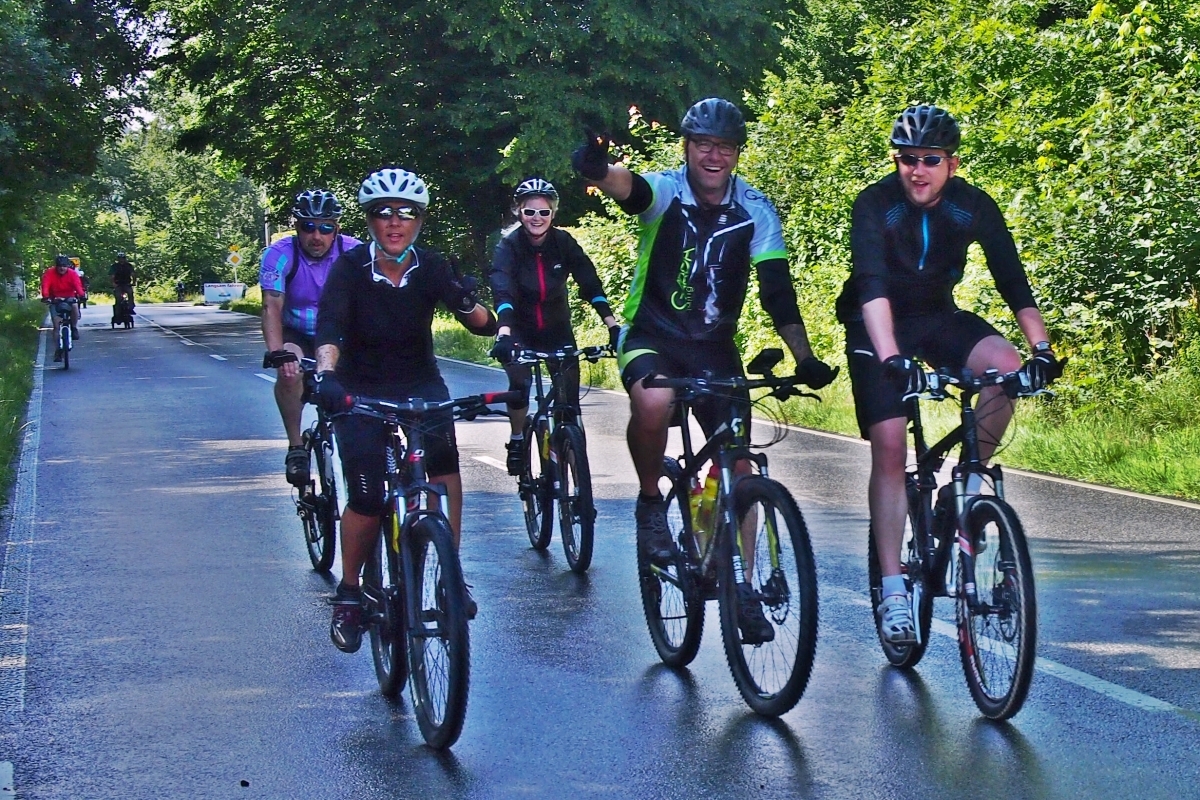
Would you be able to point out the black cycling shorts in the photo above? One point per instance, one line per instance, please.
(520, 376)
(940, 340)
(362, 442)
(640, 355)
(306, 343)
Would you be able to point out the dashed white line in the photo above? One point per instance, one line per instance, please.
(492, 462)
(265, 377)
(217, 357)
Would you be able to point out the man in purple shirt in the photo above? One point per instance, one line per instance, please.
(292, 275)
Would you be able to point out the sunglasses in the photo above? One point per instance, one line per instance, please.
(909, 160)
(308, 226)
(705, 146)
(536, 212)
(399, 212)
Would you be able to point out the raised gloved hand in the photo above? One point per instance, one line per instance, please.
(328, 393)
(505, 349)
(591, 159)
(614, 335)
(907, 373)
(815, 373)
(1043, 368)
(467, 298)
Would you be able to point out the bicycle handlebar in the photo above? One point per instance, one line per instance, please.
(465, 408)
(781, 387)
(592, 353)
(1015, 384)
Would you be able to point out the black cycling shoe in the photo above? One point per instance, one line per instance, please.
(653, 535)
(58, 354)
(516, 456)
(296, 466)
(346, 627)
(472, 607)
(74, 333)
(753, 623)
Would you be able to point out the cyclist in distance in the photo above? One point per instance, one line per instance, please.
(62, 281)
(85, 282)
(121, 272)
(703, 231)
(374, 338)
(529, 285)
(292, 272)
(909, 237)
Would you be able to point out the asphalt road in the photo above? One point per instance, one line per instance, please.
(162, 635)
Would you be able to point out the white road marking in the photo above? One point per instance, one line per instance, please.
(8, 789)
(188, 342)
(264, 377)
(492, 462)
(217, 357)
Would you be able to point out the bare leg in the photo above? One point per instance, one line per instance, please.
(994, 409)
(650, 416)
(358, 536)
(288, 396)
(454, 498)
(886, 497)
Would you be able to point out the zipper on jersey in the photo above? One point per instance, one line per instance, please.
(925, 237)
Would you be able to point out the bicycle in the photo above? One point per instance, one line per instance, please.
(60, 307)
(560, 472)
(413, 593)
(995, 606)
(122, 308)
(316, 502)
(746, 528)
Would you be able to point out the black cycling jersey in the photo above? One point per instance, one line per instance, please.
(384, 331)
(121, 272)
(529, 284)
(914, 257)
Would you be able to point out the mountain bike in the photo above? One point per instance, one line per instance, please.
(61, 307)
(558, 471)
(748, 530)
(413, 593)
(316, 501)
(970, 548)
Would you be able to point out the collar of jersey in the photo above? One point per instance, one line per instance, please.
(381, 278)
(690, 199)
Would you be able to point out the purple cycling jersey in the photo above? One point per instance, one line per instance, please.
(304, 290)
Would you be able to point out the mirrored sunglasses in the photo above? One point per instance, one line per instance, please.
(909, 160)
(536, 212)
(308, 226)
(400, 212)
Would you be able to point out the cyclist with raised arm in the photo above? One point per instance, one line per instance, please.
(374, 338)
(909, 237)
(528, 277)
(59, 282)
(293, 271)
(703, 231)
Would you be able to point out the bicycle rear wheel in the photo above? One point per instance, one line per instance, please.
(771, 676)
(536, 491)
(384, 602)
(672, 602)
(576, 514)
(997, 635)
(439, 650)
(904, 656)
(322, 547)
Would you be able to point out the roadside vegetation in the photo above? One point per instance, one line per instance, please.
(19, 323)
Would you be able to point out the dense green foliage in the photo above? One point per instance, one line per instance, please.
(19, 342)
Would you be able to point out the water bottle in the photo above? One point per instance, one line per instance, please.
(708, 504)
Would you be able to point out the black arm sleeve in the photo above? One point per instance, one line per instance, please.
(334, 308)
(1002, 259)
(640, 197)
(776, 293)
(868, 267)
(584, 272)
(503, 279)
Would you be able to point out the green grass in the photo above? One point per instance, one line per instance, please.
(19, 341)
(250, 304)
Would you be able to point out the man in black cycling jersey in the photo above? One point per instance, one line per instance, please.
(121, 272)
(909, 237)
(703, 230)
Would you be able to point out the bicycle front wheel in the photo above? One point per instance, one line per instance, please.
(904, 656)
(536, 491)
(385, 612)
(672, 602)
(65, 343)
(320, 525)
(997, 631)
(576, 514)
(439, 652)
(778, 563)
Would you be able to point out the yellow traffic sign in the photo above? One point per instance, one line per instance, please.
(233, 248)
(233, 259)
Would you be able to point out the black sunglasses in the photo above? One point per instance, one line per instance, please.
(909, 160)
(308, 226)
(400, 212)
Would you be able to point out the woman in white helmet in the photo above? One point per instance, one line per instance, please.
(374, 338)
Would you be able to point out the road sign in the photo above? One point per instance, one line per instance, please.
(233, 259)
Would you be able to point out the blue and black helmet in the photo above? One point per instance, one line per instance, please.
(926, 126)
(715, 117)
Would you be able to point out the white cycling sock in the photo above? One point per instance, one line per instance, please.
(517, 437)
(894, 585)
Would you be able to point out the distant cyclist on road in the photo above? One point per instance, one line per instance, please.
(293, 271)
(909, 237)
(529, 285)
(121, 272)
(374, 337)
(703, 231)
(61, 282)
(85, 282)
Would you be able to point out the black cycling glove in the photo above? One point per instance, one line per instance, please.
(591, 159)
(467, 299)
(614, 336)
(815, 373)
(505, 349)
(1043, 368)
(328, 393)
(907, 372)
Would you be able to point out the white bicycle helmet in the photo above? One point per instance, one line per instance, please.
(392, 183)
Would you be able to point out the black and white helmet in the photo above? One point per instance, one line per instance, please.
(316, 204)
(715, 117)
(392, 183)
(536, 187)
(62, 261)
(926, 126)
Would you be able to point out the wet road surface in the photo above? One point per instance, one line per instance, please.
(162, 635)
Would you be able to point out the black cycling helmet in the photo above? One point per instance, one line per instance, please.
(62, 261)
(316, 204)
(717, 118)
(926, 126)
(536, 187)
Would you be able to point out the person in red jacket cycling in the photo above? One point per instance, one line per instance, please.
(60, 282)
